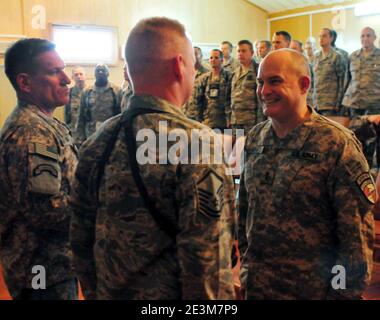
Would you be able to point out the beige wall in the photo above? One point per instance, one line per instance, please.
(344, 22)
(208, 21)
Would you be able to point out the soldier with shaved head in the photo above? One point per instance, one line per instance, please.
(363, 93)
(153, 230)
(305, 195)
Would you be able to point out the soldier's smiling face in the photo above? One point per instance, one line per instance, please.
(49, 84)
(278, 87)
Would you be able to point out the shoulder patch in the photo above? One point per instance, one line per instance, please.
(210, 194)
(44, 150)
(367, 186)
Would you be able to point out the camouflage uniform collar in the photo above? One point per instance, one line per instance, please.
(228, 62)
(241, 72)
(375, 51)
(96, 88)
(33, 108)
(151, 102)
(298, 136)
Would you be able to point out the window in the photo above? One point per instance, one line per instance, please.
(80, 44)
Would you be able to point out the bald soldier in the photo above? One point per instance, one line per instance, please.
(164, 228)
(72, 108)
(306, 226)
(363, 93)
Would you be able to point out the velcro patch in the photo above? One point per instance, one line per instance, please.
(210, 193)
(45, 151)
(366, 184)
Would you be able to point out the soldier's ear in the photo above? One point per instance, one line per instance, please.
(24, 82)
(304, 83)
(178, 67)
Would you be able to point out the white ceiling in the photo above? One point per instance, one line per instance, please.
(272, 6)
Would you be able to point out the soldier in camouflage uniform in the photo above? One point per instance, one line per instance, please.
(213, 94)
(37, 164)
(190, 107)
(329, 72)
(72, 108)
(264, 48)
(98, 103)
(164, 242)
(305, 195)
(245, 109)
(229, 62)
(126, 89)
(363, 93)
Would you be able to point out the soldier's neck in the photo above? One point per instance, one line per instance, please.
(216, 72)
(326, 50)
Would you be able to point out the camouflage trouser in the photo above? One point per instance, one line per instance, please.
(66, 290)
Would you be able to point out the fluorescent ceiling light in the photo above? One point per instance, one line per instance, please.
(367, 8)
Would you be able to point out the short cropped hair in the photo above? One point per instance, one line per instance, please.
(285, 34)
(220, 52)
(247, 42)
(21, 57)
(267, 43)
(229, 44)
(148, 40)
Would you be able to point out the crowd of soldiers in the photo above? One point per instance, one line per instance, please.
(156, 230)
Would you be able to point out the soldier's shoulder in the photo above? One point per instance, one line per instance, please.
(258, 129)
(338, 133)
(25, 124)
(115, 87)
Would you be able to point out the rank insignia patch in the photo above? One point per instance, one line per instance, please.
(210, 194)
(366, 184)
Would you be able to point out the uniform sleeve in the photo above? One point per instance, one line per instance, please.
(340, 70)
(207, 222)
(227, 106)
(80, 126)
(82, 227)
(353, 192)
(32, 172)
(199, 99)
(242, 238)
(67, 114)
